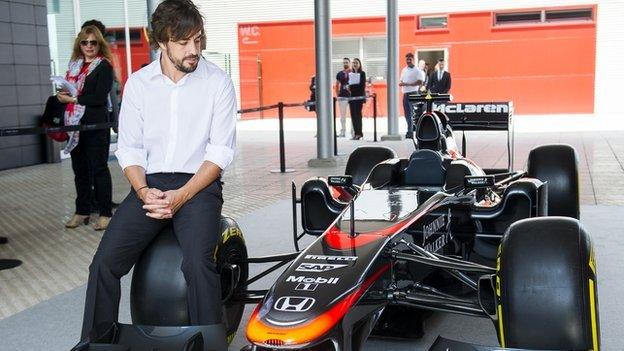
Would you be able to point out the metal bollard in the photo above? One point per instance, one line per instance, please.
(375, 117)
(282, 151)
(335, 135)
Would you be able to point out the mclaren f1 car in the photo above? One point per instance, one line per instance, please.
(398, 238)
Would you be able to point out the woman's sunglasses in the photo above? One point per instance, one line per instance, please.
(87, 42)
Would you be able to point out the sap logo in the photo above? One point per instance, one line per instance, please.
(294, 304)
(318, 267)
(317, 280)
(331, 258)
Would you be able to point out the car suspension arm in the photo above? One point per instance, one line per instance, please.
(442, 263)
(436, 303)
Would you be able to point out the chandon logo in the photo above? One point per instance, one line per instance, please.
(294, 304)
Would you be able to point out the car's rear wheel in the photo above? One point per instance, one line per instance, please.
(558, 166)
(546, 286)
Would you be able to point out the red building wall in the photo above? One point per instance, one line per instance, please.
(542, 68)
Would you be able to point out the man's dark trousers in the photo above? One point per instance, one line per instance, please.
(409, 112)
(196, 226)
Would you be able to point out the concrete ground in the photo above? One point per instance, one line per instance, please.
(44, 295)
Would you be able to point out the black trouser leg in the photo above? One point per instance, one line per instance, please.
(80, 166)
(197, 228)
(97, 156)
(128, 233)
(407, 108)
(355, 107)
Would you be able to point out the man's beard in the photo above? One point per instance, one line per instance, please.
(346, 66)
(179, 64)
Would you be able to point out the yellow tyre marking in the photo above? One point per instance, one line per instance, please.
(500, 325)
(592, 260)
(498, 294)
(592, 311)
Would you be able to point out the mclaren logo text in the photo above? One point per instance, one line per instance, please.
(294, 304)
(472, 108)
(318, 267)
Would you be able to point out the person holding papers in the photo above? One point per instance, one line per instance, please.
(412, 78)
(91, 74)
(357, 87)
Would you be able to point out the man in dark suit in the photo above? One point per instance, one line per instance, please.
(440, 80)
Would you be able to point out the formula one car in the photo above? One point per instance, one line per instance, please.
(435, 232)
(397, 239)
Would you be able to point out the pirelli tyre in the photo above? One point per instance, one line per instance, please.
(229, 252)
(557, 165)
(158, 294)
(546, 286)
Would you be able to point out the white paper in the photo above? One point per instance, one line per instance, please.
(354, 78)
(62, 84)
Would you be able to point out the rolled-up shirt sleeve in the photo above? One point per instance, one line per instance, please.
(130, 149)
(222, 145)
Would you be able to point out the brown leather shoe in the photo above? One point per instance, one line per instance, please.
(102, 223)
(77, 220)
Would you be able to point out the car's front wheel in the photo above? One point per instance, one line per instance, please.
(546, 286)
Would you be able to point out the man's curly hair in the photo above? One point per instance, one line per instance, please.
(175, 20)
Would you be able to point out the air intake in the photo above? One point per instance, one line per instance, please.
(274, 342)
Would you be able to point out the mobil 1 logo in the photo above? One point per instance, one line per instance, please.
(310, 284)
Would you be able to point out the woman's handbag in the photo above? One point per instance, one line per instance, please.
(54, 116)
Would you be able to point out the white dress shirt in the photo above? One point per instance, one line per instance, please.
(410, 75)
(175, 127)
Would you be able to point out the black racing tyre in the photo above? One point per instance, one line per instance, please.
(546, 286)
(230, 250)
(362, 160)
(558, 165)
(159, 291)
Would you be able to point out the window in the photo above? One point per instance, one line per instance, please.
(432, 22)
(55, 8)
(370, 50)
(544, 16)
(119, 36)
(569, 15)
(519, 17)
(374, 58)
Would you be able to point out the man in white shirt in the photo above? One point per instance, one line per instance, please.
(176, 135)
(411, 80)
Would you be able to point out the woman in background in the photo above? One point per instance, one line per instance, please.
(91, 72)
(355, 106)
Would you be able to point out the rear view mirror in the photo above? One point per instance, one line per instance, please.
(342, 181)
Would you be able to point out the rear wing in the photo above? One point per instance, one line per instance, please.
(471, 116)
(477, 115)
